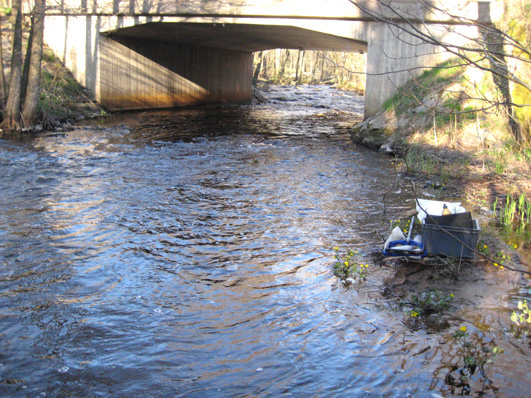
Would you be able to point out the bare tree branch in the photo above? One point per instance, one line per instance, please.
(485, 46)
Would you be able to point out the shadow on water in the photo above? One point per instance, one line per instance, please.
(189, 253)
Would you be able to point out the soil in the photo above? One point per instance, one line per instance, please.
(481, 292)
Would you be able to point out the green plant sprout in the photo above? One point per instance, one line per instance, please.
(405, 224)
(475, 354)
(349, 265)
(500, 257)
(515, 212)
(430, 301)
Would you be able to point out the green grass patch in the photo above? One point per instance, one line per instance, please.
(411, 93)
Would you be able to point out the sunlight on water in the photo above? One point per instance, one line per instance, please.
(191, 255)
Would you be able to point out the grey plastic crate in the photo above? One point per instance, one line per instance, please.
(438, 242)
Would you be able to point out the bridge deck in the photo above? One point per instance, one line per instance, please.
(241, 37)
(164, 53)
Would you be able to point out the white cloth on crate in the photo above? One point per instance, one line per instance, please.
(435, 208)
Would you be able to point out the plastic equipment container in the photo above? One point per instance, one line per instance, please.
(437, 241)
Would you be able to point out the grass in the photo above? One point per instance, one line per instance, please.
(423, 160)
(61, 98)
(447, 140)
(60, 95)
(410, 94)
(514, 212)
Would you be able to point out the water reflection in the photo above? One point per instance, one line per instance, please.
(189, 254)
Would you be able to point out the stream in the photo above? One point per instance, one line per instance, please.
(189, 253)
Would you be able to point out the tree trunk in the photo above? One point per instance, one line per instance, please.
(321, 77)
(11, 120)
(494, 42)
(26, 58)
(300, 59)
(265, 68)
(282, 69)
(258, 68)
(3, 85)
(274, 61)
(31, 99)
(315, 67)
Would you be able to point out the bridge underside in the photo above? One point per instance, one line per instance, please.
(240, 37)
(131, 65)
(166, 53)
(139, 62)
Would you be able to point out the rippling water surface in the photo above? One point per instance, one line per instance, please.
(191, 255)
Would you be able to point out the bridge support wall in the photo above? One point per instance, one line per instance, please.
(137, 74)
(130, 73)
(125, 73)
(395, 57)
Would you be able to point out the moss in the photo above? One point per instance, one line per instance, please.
(409, 95)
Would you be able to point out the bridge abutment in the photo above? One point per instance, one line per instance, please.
(394, 57)
(125, 73)
(200, 52)
(139, 74)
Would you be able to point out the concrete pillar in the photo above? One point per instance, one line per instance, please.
(137, 74)
(395, 57)
(74, 40)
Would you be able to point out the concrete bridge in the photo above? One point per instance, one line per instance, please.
(170, 53)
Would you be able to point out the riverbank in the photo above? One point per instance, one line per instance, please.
(63, 101)
(168, 223)
(470, 157)
(446, 141)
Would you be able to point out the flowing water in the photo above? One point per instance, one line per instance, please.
(189, 253)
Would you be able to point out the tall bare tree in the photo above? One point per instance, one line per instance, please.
(21, 108)
(299, 65)
(313, 67)
(11, 120)
(3, 85)
(491, 49)
(256, 73)
(33, 85)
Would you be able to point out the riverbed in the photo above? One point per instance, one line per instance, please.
(189, 253)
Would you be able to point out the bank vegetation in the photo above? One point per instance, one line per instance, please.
(465, 124)
(36, 91)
